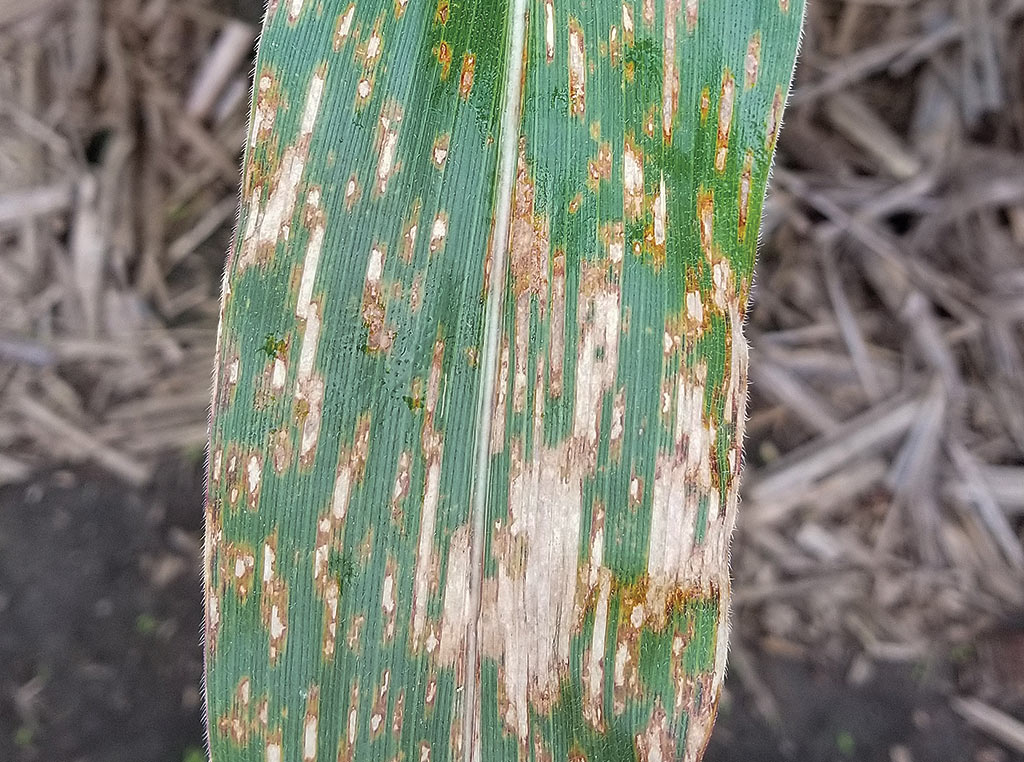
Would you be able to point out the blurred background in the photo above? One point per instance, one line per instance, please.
(879, 566)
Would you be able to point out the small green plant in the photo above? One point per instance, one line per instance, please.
(541, 219)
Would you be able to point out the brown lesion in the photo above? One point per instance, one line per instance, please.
(466, 75)
(656, 742)
(439, 151)
(618, 425)
(353, 191)
(500, 399)
(706, 222)
(253, 479)
(432, 445)
(626, 685)
(700, 700)
(270, 204)
(455, 614)
(269, 99)
(228, 373)
(529, 251)
(364, 90)
(556, 328)
(237, 568)
(746, 177)
(212, 584)
(656, 232)
(233, 484)
(400, 490)
(240, 722)
(438, 232)
(442, 12)
(599, 167)
(443, 54)
(599, 326)
(380, 706)
(379, 334)
(410, 230)
(636, 491)
(332, 601)
(705, 105)
(398, 716)
(281, 450)
(774, 120)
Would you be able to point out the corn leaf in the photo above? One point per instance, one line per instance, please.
(480, 387)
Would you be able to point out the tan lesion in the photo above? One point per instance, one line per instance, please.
(632, 178)
(670, 73)
(274, 601)
(388, 165)
(398, 715)
(628, 29)
(746, 178)
(443, 54)
(432, 445)
(599, 167)
(467, 74)
(577, 70)
(343, 27)
(268, 222)
(726, 104)
(380, 705)
(556, 328)
(549, 30)
(388, 602)
(439, 151)
(438, 232)
(237, 568)
(752, 62)
(656, 742)
(380, 334)
(529, 250)
(774, 120)
(310, 723)
(350, 732)
(241, 722)
(692, 13)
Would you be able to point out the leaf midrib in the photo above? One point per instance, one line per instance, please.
(511, 105)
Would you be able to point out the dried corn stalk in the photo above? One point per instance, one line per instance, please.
(480, 385)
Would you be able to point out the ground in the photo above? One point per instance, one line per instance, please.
(878, 566)
(100, 607)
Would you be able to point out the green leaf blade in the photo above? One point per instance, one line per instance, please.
(479, 398)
